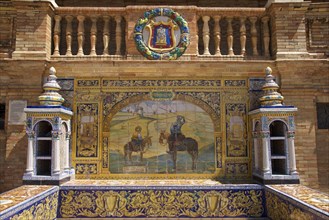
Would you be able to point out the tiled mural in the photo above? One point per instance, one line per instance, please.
(151, 136)
(160, 127)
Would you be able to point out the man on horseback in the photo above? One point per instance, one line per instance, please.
(176, 136)
(137, 138)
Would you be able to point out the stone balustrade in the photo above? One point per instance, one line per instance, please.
(233, 32)
(217, 32)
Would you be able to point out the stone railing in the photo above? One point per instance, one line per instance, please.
(106, 32)
(229, 32)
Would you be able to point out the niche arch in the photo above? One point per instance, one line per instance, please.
(154, 116)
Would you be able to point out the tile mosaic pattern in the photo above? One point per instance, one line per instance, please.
(169, 201)
(20, 194)
(305, 194)
(29, 202)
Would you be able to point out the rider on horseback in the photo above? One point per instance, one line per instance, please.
(137, 138)
(176, 136)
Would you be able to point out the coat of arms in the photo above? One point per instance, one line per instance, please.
(161, 34)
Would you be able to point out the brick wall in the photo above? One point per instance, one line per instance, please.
(302, 81)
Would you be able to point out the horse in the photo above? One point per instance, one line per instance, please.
(186, 144)
(130, 147)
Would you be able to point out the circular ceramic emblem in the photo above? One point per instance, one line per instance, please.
(161, 34)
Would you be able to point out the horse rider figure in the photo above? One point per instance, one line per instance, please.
(176, 136)
(137, 137)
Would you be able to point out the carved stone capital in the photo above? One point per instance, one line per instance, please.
(56, 134)
(30, 134)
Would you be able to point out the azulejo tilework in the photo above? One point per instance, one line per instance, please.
(30, 202)
(155, 34)
(163, 202)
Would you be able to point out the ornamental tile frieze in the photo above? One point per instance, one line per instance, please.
(87, 83)
(161, 203)
(161, 83)
(235, 83)
(86, 168)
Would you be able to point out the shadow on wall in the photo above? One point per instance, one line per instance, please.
(14, 157)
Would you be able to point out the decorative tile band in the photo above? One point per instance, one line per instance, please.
(161, 203)
(41, 206)
(283, 206)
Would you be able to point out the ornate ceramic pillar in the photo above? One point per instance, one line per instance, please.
(81, 34)
(205, 33)
(217, 35)
(57, 32)
(56, 150)
(118, 20)
(230, 36)
(265, 135)
(243, 37)
(93, 32)
(266, 35)
(291, 151)
(67, 152)
(106, 35)
(256, 151)
(30, 160)
(253, 21)
(69, 19)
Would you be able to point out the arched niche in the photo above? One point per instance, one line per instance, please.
(278, 147)
(43, 148)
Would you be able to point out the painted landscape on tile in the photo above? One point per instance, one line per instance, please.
(149, 136)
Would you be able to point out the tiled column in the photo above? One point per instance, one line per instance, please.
(57, 32)
(230, 36)
(106, 35)
(69, 19)
(253, 21)
(266, 157)
(243, 35)
(256, 151)
(81, 34)
(217, 35)
(118, 39)
(67, 152)
(29, 162)
(93, 32)
(291, 151)
(56, 150)
(206, 34)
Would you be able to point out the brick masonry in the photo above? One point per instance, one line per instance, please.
(301, 70)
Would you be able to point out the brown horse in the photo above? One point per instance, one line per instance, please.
(185, 144)
(130, 147)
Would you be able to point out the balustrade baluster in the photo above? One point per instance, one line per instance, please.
(93, 32)
(206, 34)
(197, 35)
(253, 21)
(217, 35)
(57, 32)
(68, 35)
(106, 35)
(118, 20)
(266, 36)
(81, 34)
(243, 35)
(230, 36)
